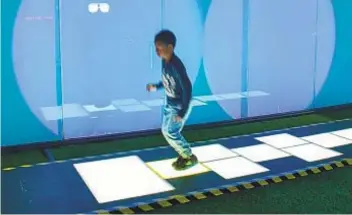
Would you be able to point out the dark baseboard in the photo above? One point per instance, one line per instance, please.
(112, 137)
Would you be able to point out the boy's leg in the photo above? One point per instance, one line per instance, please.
(172, 133)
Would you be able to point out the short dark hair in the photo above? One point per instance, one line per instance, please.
(166, 36)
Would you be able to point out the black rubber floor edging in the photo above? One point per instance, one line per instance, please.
(213, 192)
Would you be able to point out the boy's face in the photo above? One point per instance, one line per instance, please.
(163, 50)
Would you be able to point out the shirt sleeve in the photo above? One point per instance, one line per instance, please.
(186, 92)
(159, 85)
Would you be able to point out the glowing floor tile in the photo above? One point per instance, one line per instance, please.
(235, 167)
(154, 103)
(346, 133)
(164, 169)
(212, 152)
(255, 93)
(311, 152)
(281, 140)
(209, 98)
(122, 102)
(260, 152)
(68, 111)
(120, 178)
(134, 108)
(52, 113)
(231, 96)
(327, 140)
(93, 108)
(197, 103)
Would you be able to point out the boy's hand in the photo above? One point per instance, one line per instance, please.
(151, 88)
(178, 119)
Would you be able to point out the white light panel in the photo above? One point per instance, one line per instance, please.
(327, 140)
(311, 152)
(134, 108)
(346, 133)
(260, 152)
(209, 98)
(120, 178)
(122, 102)
(93, 108)
(212, 152)
(235, 167)
(68, 111)
(281, 140)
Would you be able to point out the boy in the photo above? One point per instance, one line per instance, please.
(178, 89)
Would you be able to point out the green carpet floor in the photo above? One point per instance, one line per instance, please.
(329, 192)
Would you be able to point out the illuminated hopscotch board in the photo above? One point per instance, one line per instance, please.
(133, 105)
(129, 177)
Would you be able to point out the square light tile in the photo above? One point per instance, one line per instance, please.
(212, 152)
(209, 98)
(154, 103)
(311, 152)
(121, 102)
(255, 93)
(260, 152)
(134, 108)
(235, 167)
(165, 170)
(197, 103)
(52, 113)
(281, 140)
(120, 178)
(68, 111)
(93, 108)
(346, 133)
(231, 96)
(327, 140)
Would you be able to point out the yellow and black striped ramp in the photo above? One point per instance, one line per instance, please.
(6, 169)
(184, 199)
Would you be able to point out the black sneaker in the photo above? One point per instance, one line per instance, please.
(185, 163)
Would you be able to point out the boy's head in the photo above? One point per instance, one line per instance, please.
(165, 42)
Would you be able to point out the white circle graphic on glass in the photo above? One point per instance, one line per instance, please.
(223, 51)
(33, 57)
(289, 55)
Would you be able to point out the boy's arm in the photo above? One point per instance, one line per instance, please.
(159, 85)
(186, 93)
(186, 100)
